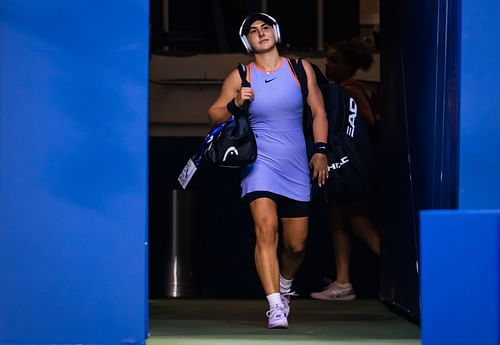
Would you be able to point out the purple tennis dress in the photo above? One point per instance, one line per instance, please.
(281, 166)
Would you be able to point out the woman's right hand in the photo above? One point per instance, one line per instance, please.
(245, 94)
(233, 92)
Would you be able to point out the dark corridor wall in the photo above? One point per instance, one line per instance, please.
(224, 238)
(195, 31)
(418, 134)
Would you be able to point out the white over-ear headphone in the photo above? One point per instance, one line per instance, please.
(255, 17)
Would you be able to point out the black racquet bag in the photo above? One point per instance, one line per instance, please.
(350, 150)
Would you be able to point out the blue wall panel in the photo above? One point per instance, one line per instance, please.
(73, 148)
(460, 261)
(480, 105)
(460, 250)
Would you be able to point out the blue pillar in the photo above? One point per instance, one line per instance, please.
(460, 260)
(73, 172)
(460, 278)
(479, 184)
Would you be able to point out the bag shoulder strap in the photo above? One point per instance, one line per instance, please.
(300, 73)
(242, 69)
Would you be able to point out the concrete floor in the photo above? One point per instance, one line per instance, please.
(242, 322)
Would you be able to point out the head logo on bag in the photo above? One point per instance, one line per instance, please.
(353, 109)
(230, 151)
(337, 165)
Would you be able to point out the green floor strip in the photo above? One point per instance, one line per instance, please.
(241, 322)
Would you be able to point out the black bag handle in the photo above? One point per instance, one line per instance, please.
(244, 83)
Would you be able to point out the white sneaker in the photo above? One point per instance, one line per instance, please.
(285, 299)
(276, 317)
(335, 292)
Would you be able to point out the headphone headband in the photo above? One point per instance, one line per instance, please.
(245, 27)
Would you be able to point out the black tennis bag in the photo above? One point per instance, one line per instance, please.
(233, 144)
(351, 156)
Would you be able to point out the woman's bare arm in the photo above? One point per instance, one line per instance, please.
(231, 91)
(319, 162)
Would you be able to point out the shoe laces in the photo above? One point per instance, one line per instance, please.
(273, 312)
(289, 294)
(285, 298)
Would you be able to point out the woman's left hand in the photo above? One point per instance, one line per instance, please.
(319, 167)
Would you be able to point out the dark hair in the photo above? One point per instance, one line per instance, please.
(245, 26)
(356, 52)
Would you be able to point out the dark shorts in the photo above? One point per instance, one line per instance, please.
(287, 208)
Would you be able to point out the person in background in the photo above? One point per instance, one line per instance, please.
(343, 60)
(277, 186)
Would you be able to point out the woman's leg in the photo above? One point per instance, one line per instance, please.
(341, 244)
(340, 289)
(294, 238)
(264, 213)
(363, 227)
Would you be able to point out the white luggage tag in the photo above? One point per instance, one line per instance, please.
(193, 163)
(187, 173)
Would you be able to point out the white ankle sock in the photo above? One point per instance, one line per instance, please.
(273, 299)
(343, 285)
(285, 284)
